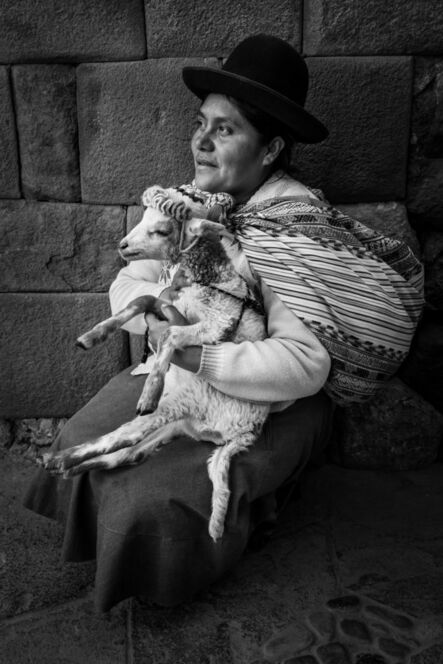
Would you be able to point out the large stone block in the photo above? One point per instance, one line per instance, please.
(425, 171)
(135, 126)
(59, 247)
(47, 128)
(365, 104)
(372, 26)
(388, 218)
(71, 31)
(43, 373)
(9, 171)
(177, 28)
(398, 430)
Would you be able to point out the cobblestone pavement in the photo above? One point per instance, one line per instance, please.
(352, 575)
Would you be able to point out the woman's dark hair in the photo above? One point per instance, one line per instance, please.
(268, 128)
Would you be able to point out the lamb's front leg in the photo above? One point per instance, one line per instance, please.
(176, 337)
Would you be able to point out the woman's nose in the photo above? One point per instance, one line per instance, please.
(203, 140)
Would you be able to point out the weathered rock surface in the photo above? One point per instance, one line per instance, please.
(43, 373)
(134, 126)
(423, 368)
(398, 430)
(27, 437)
(9, 170)
(175, 28)
(358, 27)
(425, 170)
(47, 129)
(80, 31)
(388, 218)
(59, 247)
(433, 261)
(365, 104)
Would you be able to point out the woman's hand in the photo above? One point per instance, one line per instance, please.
(188, 358)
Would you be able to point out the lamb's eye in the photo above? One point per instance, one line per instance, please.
(163, 233)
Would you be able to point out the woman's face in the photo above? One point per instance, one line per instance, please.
(228, 151)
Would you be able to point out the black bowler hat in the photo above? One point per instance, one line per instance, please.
(269, 74)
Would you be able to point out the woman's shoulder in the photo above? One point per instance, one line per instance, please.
(281, 185)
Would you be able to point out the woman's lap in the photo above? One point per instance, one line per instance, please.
(147, 524)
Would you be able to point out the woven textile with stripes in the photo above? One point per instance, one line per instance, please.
(359, 291)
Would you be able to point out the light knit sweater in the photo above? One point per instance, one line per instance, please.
(290, 364)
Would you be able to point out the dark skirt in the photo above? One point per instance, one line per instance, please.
(147, 525)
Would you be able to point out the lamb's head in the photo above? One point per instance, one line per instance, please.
(173, 221)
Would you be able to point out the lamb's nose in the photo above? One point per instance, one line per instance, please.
(123, 244)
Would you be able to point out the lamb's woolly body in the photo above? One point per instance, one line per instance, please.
(180, 402)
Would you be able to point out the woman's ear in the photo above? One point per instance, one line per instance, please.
(273, 149)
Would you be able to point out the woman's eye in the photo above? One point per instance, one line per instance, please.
(225, 130)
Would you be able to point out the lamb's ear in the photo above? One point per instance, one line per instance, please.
(199, 227)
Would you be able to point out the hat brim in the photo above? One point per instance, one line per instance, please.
(304, 126)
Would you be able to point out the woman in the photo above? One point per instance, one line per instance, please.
(147, 525)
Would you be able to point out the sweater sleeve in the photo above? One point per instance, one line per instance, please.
(137, 278)
(290, 364)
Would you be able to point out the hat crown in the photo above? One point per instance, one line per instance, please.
(271, 62)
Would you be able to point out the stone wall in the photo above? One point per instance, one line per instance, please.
(92, 109)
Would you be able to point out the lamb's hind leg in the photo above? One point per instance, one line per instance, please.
(145, 448)
(218, 467)
(126, 436)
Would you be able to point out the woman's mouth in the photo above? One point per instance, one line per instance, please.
(202, 163)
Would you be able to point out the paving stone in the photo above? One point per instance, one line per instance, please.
(304, 659)
(324, 623)
(372, 26)
(32, 574)
(44, 374)
(347, 602)
(194, 632)
(432, 242)
(9, 169)
(395, 619)
(432, 655)
(389, 218)
(289, 641)
(76, 32)
(365, 103)
(74, 634)
(370, 658)
(355, 629)
(398, 429)
(393, 648)
(59, 247)
(177, 27)
(425, 167)
(134, 125)
(333, 653)
(45, 97)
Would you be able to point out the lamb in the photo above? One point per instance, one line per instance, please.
(220, 304)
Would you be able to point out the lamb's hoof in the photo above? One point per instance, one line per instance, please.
(215, 531)
(146, 405)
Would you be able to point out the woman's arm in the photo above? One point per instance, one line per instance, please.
(137, 278)
(288, 365)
